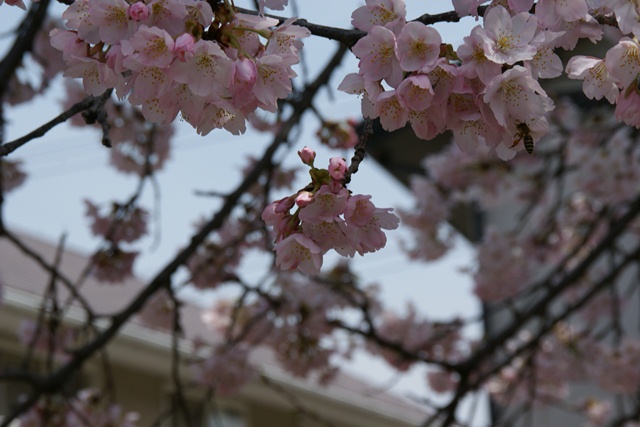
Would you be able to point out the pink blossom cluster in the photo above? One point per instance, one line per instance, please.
(112, 264)
(87, 407)
(615, 77)
(327, 216)
(125, 223)
(293, 319)
(338, 134)
(603, 165)
(217, 260)
(546, 213)
(487, 92)
(549, 372)
(179, 56)
(226, 369)
(137, 146)
(419, 336)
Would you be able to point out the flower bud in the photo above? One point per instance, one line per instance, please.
(307, 155)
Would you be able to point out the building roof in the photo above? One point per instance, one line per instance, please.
(25, 282)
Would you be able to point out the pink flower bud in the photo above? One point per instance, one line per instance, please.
(337, 168)
(138, 11)
(304, 198)
(307, 155)
(184, 47)
(285, 204)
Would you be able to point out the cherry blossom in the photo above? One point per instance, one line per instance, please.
(299, 251)
(113, 265)
(386, 13)
(506, 39)
(377, 56)
(515, 95)
(226, 370)
(597, 81)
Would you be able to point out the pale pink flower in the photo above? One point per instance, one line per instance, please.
(359, 210)
(206, 71)
(330, 235)
(245, 29)
(623, 61)
(426, 124)
(377, 54)
(354, 83)
(96, 75)
(112, 19)
(273, 80)
(78, 18)
(444, 77)
(68, 42)
(149, 46)
(627, 14)
(506, 39)
(298, 251)
(392, 114)
(200, 12)
(549, 12)
(386, 13)
(370, 237)
(415, 92)
(545, 64)
(628, 107)
(516, 96)
(418, 46)
(474, 60)
(169, 15)
(218, 115)
(286, 39)
(326, 205)
(572, 32)
(597, 82)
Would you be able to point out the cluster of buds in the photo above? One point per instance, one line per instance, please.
(326, 216)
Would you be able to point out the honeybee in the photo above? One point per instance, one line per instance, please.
(523, 134)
